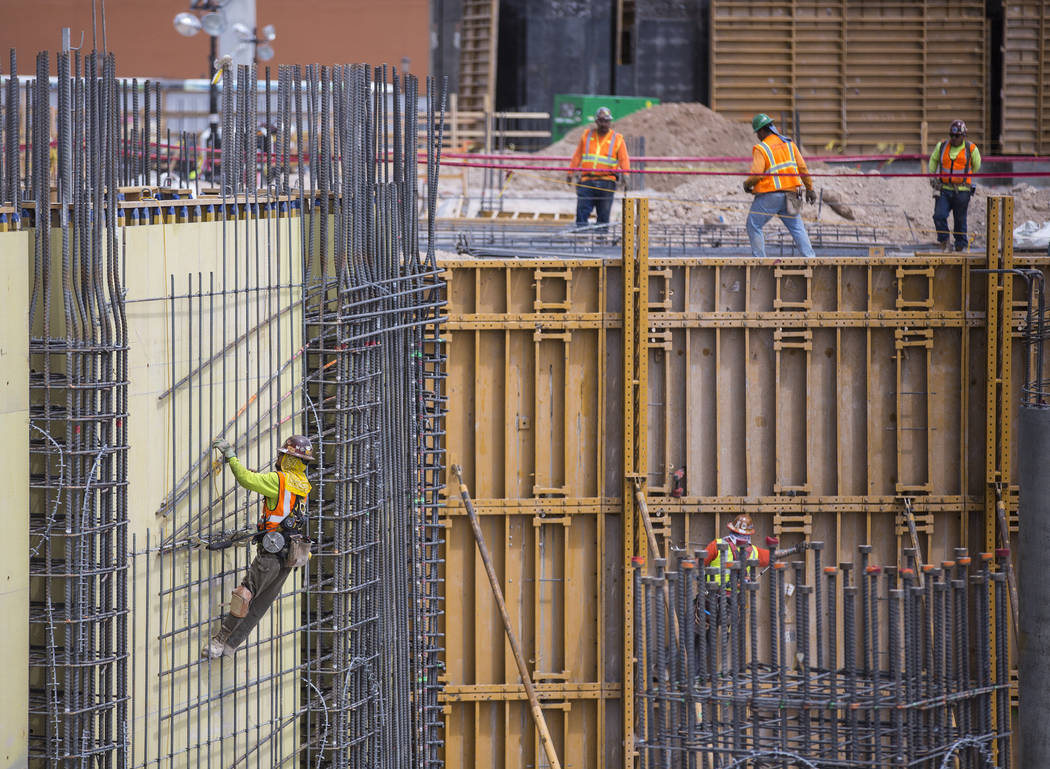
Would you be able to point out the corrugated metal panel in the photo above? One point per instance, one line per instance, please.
(1026, 65)
(813, 396)
(862, 75)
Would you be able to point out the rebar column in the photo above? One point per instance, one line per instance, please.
(1033, 587)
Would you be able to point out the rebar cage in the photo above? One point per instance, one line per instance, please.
(295, 301)
(850, 666)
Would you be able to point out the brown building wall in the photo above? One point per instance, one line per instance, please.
(141, 34)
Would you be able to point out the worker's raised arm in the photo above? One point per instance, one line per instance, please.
(267, 484)
(710, 552)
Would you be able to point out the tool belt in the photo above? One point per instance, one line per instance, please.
(298, 552)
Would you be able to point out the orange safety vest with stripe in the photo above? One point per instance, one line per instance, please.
(286, 504)
(602, 154)
(961, 163)
(733, 552)
(781, 166)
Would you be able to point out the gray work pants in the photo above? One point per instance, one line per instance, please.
(265, 577)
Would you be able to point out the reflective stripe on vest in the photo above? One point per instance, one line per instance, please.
(723, 575)
(271, 519)
(598, 159)
(779, 175)
(948, 164)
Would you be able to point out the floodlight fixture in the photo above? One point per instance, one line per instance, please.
(214, 23)
(187, 24)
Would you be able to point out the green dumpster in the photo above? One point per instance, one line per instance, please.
(573, 109)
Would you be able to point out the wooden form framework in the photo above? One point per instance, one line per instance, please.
(861, 76)
(815, 396)
(1026, 77)
(479, 30)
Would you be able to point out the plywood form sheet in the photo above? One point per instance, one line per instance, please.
(14, 426)
(230, 712)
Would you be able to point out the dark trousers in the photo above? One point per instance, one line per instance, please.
(594, 194)
(265, 577)
(952, 202)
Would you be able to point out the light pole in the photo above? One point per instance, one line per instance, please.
(213, 22)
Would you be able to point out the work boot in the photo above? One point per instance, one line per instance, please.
(216, 647)
(946, 246)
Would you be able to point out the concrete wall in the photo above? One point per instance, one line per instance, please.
(14, 457)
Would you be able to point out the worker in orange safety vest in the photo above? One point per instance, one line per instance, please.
(777, 176)
(280, 538)
(953, 161)
(602, 154)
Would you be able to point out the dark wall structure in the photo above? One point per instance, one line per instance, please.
(653, 48)
(664, 51)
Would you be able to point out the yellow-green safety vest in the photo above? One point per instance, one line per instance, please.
(722, 576)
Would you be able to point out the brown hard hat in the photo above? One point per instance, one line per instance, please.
(742, 524)
(957, 128)
(299, 446)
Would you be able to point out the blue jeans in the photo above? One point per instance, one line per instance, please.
(594, 194)
(769, 204)
(954, 202)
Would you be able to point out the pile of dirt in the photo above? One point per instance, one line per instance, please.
(675, 129)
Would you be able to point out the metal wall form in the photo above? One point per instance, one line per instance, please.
(816, 397)
(1026, 85)
(861, 75)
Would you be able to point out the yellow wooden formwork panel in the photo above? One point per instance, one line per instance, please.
(14, 425)
(528, 365)
(815, 396)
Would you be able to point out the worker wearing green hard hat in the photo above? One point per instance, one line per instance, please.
(778, 179)
(761, 120)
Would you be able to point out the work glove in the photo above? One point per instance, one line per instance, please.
(569, 178)
(223, 447)
(622, 181)
(811, 196)
(749, 187)
(935, 183)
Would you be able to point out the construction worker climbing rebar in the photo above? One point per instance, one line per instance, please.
(280, 539)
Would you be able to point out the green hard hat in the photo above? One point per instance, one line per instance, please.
(761, 120)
